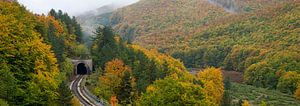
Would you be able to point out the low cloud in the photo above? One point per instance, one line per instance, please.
(73, 7)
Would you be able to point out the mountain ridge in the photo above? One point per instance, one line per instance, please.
(152, 23)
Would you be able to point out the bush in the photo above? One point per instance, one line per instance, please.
(288, 82)
(261, 75)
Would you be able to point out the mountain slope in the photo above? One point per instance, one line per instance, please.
(263, 45)
(259, 38)
(151, 17)
(162, 23)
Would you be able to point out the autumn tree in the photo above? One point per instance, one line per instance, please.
(113, 101)
(213, 84)
(30, 73)
(117, 81)
(246, 103)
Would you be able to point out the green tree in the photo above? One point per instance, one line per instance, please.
(81, 52)
(65, 95)
(66, 69)
(78, 31)
(72, 26)
(226, 101)
(261, 75)
(104, 47)
(8, 84)
(170, 91)
(3, 103)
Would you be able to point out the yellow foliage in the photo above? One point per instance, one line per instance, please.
(160, 59)
(297, 92)
(45, 67)
(213, 84)
(23, 45)
(75, 102)
(150, 88)
(246, 103)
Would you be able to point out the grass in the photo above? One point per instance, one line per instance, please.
(257, 95)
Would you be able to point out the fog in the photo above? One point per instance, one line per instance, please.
(73, 7)
(228, 5)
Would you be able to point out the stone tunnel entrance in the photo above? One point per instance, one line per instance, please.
(81, 69)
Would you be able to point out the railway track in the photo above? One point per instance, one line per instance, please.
(81, 93)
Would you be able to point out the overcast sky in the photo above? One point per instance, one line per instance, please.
(73, 7)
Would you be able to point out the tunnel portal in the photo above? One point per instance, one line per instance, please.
(81, 69)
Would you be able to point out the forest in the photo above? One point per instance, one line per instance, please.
(35, 52)
(259, 39)
(155, 52)
(265, 47)
(135, 75)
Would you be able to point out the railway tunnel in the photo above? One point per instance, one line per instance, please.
(82, 67)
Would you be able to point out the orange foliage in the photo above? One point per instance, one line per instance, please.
(116, 67)
(46, 20)
(113, 101)
(111, 81)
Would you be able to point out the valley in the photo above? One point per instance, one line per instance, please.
(258, 39)
(150, 53)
